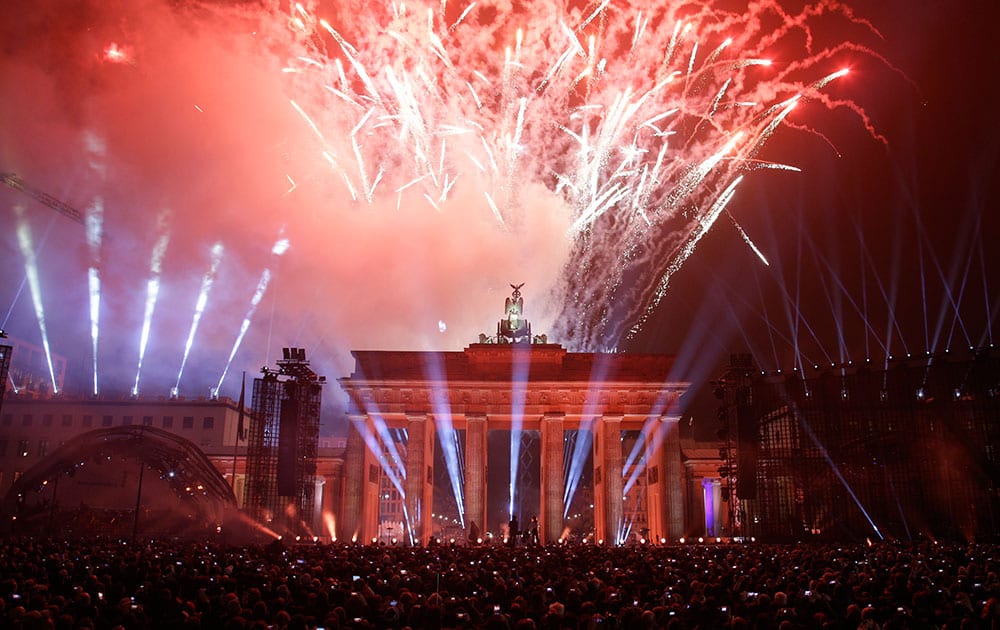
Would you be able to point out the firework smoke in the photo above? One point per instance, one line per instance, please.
(420, 156)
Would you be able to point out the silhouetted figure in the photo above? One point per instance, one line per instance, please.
(512, 531)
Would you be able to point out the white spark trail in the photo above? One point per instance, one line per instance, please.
(206, 287)
(152, 291)
(94, 223)
(25, 242)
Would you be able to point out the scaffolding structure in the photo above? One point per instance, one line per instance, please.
(907, 452)
(5, 352)
(280, 490)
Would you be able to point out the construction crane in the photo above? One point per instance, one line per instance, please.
(14, 181)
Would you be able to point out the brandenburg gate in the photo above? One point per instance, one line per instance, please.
(512, 378)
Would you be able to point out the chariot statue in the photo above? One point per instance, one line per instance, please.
(513, 328)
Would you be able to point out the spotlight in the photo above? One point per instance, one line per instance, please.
(663, 541)
(681, 541)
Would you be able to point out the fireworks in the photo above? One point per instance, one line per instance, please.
(641, 120)
(420, 156)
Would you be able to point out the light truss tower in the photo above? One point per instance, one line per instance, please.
(5, 352)
(281, 451)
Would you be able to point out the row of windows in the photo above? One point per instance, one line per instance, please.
(24, 448)
(88, 421)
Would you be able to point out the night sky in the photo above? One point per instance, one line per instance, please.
(875, 249)
(884, 243)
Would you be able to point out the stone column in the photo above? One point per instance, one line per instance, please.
(656, 481)
(370, 499)
(319, 491)
(712, 493)
(354, 476)
(553, 445)
(475, 472)
(608, 484)
(673, 477)
(419, 485)
(667, 483)
(333, 502)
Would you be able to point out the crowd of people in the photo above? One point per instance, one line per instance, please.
(51, 583)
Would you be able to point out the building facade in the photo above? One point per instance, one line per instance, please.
(33, 429)
(531, 437)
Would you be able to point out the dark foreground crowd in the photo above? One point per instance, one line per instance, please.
(172, 584)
